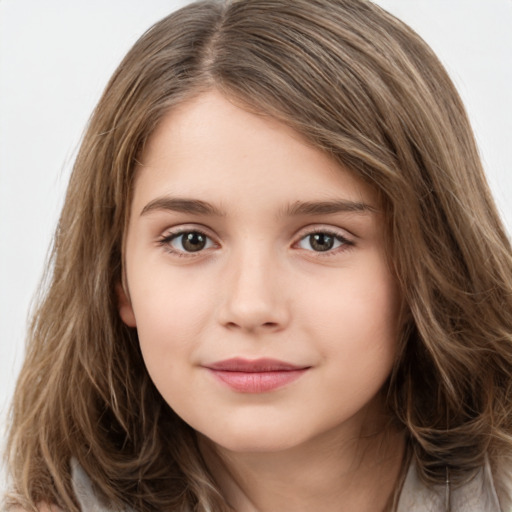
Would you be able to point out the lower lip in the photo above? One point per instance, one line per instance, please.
(258, 382)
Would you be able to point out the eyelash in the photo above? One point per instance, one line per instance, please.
(346, 244)
(165, 241)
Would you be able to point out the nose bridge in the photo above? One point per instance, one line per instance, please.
(253, 296)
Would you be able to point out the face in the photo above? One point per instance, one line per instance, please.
(257, 280)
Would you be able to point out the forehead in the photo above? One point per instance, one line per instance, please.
(210, 145)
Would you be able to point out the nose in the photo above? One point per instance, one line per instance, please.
(254, 297)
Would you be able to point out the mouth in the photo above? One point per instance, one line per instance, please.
(255, 376)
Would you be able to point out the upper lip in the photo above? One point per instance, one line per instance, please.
(238, 364)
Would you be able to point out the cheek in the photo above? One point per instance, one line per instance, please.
(168, 339)
(170, 316)
(356, 320)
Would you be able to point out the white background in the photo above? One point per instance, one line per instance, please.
(57, 55)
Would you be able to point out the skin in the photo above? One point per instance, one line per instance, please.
(260, 288)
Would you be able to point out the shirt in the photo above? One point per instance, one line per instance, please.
(478, 495)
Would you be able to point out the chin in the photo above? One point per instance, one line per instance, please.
(254, 440)
(255, 445)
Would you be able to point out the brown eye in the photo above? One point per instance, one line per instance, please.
(322, 242)
(190, 241)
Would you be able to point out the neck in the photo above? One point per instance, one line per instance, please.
(331, 472)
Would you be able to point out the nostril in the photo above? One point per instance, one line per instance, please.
(265, 325)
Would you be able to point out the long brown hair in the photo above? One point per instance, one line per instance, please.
(358, 84)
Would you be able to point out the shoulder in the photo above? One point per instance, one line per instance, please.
(479, 493)
(85, 492)
(502, 478)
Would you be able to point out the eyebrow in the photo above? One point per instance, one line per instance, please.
(184, 205)
(198, 207)
(328, 207)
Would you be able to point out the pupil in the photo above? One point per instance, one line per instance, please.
(321, 241)
(193, 241)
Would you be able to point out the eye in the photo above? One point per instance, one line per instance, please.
(187, 241)
(322, 241)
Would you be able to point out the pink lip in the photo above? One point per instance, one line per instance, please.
(255, 376)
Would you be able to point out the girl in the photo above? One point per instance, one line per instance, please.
(279, 281)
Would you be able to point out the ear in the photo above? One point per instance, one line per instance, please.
(124, 306)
